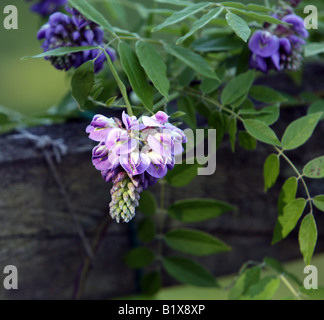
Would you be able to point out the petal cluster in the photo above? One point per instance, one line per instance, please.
(74, 30)
(133, 151)
(279, 47)
(47, 7)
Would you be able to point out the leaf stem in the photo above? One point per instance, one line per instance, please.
(120, 84)
(289, 286)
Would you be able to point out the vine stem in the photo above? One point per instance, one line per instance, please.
(289, 286)
(299, 176)
(120, 84)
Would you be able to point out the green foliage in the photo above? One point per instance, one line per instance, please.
(237, 87)
(192, 60)
(181, 15)
(154, 66)
(151, 283)
(146, 230)
(317, 106)
(198, 65)
(271, 171)
(260, 131)
(315, 168)
(194, 210)
(182, 174)
(289, 218)
(90, 12)
(82, 82)
(299, 131)
(239, 26)
(188, 272)
(244, 282)
(194, 242)
(319, 202)
(246, 140)
(185, 105)
(266, 95)
(136, 75)
(308, 237)
(139, 257)
(200, 23)
(147, 203)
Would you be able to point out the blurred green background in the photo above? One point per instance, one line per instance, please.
(27, 86)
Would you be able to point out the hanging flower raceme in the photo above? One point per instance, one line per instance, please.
(47, 7)
(73, 30)
(133, 154)
(279, 47)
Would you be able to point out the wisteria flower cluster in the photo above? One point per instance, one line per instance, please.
(133, 154)
(63, 30)
(279, 47)
(47, 7)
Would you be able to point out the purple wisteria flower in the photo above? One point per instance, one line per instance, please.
(133, 154)
(278, 47)
(47, 7)
(73, 30)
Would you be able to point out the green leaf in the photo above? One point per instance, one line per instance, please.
(191, 59)
(246, 140)
(185, 104)
(209, 85)
(237, 87)
(60, 52)
(182, 174)
(318, 202)
(146, 230)
(315, 168)
(200, 23)
(139, 257)
(82, 82)
(239, 26)
(266, 95)
(110, 101)
(136, 75)
(274, 264)
(287, 195)
(188, 272)
(260, 131)
(307, 238)
(90, 12)
(176, 2)
(193, 210)
(317, 106)
(271, 171)
(246, 279)
(194, 242)
(217, 121)
(270, 114)
(154, 66)
(177, 114)
(291, 214)
(232, 130)
(312, 49)
(314, 294)
(151, 283)
(265, 289)
(299, 131)
(147, 203)
(257, 16)
(181, 15)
